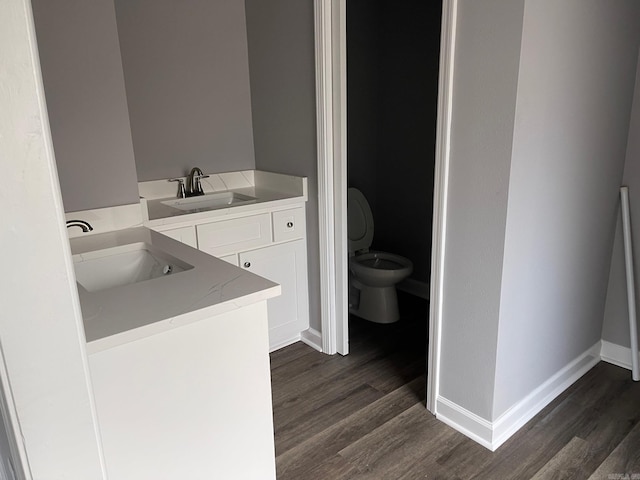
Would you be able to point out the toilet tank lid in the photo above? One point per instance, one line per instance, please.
(359, 221)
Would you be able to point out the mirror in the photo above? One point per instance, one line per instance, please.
(142, 90)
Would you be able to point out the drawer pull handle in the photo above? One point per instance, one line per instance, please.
(289, 224)
(247, 264)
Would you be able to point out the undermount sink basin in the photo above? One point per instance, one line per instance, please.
(210, 201)
(124, 265)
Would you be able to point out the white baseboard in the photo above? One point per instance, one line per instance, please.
(493, 434)
(468, 423)
(616, 354)
(510, 421)
(313, 338)
(284, 343)
(415, 288)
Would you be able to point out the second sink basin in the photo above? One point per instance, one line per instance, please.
(124, 265)
(211, 201)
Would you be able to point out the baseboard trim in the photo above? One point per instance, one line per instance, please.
(285, 343)
(514, 418)
(616, 354)
(493, 434)
(468, 423)
(313, 338)
(415, 288)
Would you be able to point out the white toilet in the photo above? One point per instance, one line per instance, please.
(373, 275)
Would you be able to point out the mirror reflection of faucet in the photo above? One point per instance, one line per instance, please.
(193, 182)
(193, 187)
(181, 191)
(85, 226)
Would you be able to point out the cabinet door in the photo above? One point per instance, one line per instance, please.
(183, 234)
(285, 264)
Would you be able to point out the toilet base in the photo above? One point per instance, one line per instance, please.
(376, 304)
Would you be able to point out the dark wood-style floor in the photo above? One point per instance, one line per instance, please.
(363, 416)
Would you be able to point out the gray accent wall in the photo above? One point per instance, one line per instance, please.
(616, 317)
(282, 70)
(187, 81)
(484, 103)
(575, 88)
(85, 93)
(392, 76)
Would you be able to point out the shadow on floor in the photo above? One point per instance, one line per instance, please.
(405, 342)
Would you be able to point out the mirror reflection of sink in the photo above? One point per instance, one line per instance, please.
(124, 265)
(210, 201)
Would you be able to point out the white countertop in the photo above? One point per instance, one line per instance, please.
(126, 313)
(161, 214)
(277, 190)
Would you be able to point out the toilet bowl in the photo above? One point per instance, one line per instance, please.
(373, 275)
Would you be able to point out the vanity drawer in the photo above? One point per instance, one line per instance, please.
(229, 236)
(288, 224)
(183, 234)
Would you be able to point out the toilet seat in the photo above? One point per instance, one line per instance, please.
(380, 269)
(382, 261)
(359, 221)
(374, 274)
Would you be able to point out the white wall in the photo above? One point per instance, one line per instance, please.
(616, 321)
(41, 325)
(484, 100)
(575, 88)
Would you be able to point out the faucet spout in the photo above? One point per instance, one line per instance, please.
(85, 226)
(193, 182)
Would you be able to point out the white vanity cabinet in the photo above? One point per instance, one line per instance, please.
(187, 403)
(286, 264)
(185, 235)
(270, 242)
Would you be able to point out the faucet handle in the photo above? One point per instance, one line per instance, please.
(181, 191)
(197, 186)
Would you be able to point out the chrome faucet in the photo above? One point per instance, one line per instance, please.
(193, 182)
(85, 226)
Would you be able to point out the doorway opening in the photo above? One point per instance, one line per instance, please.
(331, 88)
(392, 56)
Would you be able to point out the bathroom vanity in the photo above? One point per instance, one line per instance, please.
(178, 354)
(252, 219)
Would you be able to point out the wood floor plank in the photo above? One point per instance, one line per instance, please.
(623, 461)
(391, 449)
(323, 416)
(334, 468)
(362, 416)
(297, 398)
(567, 463)
(295, 463)
(289, 354)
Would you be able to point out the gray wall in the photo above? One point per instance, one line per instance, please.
(187, 81)
(363, 94)
(282, 70)
(616, 321)
(484, 100)
(392, 74)
(570, 135)
(84, 88)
